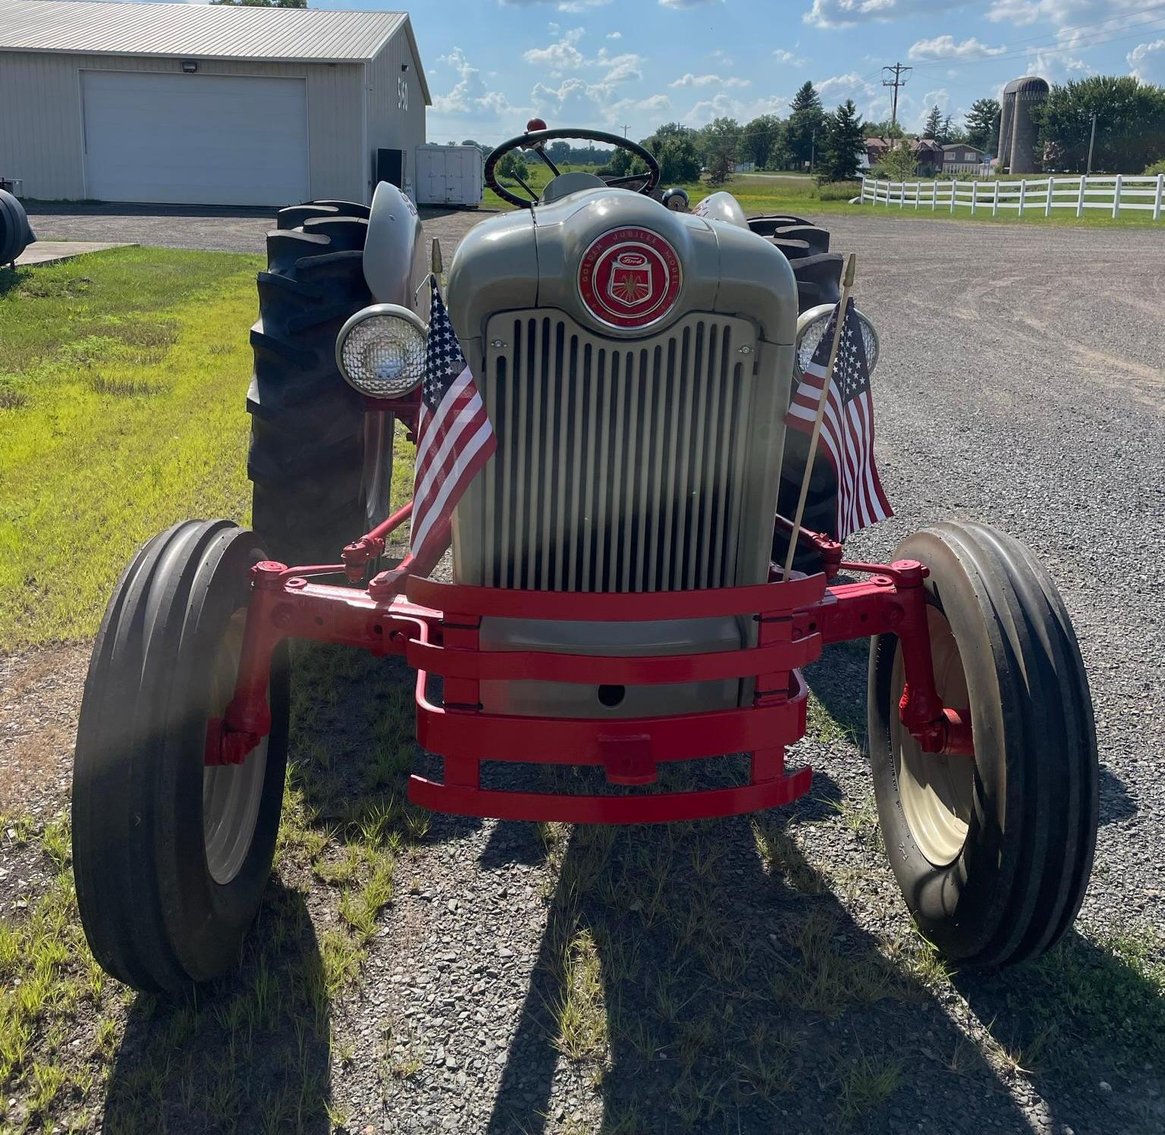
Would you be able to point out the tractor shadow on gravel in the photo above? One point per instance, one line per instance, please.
(704, 977)
(251, 1053)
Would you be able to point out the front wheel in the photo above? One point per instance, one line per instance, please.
(171, 856)
(992, 851)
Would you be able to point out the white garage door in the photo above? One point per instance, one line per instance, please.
(195, 139)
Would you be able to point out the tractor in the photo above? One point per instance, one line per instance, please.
(614, 601)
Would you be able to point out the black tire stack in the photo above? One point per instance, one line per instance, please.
(15, 233)
(306, 460)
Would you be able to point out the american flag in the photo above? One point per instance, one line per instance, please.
(454, 437)
(847, 430)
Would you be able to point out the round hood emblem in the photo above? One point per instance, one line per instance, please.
(629, 277)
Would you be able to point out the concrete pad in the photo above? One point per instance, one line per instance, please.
(50, 251)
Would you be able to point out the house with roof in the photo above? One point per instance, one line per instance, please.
(959, 157)
(927, 152)
(205, 104)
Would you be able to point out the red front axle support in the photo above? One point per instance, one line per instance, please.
(436, 628)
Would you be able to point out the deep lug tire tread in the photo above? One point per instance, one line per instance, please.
(1015, 889)
(306, 458)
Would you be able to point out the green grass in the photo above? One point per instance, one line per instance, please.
(800, 195)
(254, 1052)
(122, 381)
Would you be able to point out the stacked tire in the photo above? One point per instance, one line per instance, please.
(818, 275)
(15, 233)
(310, 442)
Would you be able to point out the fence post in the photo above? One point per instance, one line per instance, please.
(1080, 198)
(1022, 191)
(933, 196)
(995, 200)
(917, 193)
(1157, 199)
(974, 194)
(1048, 203)
(1116, 198)
(954, 194)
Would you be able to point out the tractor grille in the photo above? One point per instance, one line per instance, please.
(620, 466)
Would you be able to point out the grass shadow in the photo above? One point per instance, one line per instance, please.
(353, 745)
(11, 278)
(1086, 1024)
(704, 977)
(251, 1054)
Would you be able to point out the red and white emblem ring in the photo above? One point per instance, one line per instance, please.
(629, 277)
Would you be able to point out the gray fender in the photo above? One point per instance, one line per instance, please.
(395, 261)
(722, 206)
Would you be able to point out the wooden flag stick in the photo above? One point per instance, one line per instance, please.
(847, 283)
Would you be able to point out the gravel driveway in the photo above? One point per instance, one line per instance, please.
(1021, 384)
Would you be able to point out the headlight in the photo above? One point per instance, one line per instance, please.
(381, 351)
(811, 326)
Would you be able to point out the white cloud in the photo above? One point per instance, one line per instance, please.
(725, 106)
(560, 56)
(783, 56)
(581, 5)
(844, 13)
(690, 80)
(945, 47)
(619, 68)
(1147, 61)
(614, 35)
(677, 4)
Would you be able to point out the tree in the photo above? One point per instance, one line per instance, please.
(1130, 124)
(513, 165)
(720, 139)
(761, 141)
(983, 125)
(842, 147)
(950, 133)
(263, 3)
(804, 122)
(674, 147)
(679, 161)
(720, 168)
(898, 163)
(934, 123)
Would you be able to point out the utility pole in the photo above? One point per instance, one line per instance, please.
(899, 72)
(625, 129)
(1091, 143)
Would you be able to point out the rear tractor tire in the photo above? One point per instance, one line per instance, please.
(171, 856)
(992, 851)
(319, 465)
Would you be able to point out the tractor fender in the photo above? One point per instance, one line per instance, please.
(395, 262)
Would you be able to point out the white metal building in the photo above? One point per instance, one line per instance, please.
(200, 104)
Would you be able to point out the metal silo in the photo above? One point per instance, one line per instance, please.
(1018, 129)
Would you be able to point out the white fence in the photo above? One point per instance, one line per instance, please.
(1116, 195)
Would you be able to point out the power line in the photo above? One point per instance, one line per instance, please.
(898, 81)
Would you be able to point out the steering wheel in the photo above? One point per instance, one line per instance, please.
(535, 139)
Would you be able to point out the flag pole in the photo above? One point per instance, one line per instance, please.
(847, 283)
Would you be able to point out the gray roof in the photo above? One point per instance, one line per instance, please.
(201, 31)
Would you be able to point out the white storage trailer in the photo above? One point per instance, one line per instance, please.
(449, 175)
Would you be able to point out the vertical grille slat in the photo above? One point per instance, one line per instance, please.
(620, 467)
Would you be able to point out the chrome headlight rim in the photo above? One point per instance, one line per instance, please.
(410, 335)
(821, 314)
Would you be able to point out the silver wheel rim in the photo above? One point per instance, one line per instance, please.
(231, 794)
(935, 791)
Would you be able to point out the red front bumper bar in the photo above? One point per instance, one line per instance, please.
(436, 628)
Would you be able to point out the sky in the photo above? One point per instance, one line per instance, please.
(615, 64)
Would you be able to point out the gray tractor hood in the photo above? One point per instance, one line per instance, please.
(530, 259)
